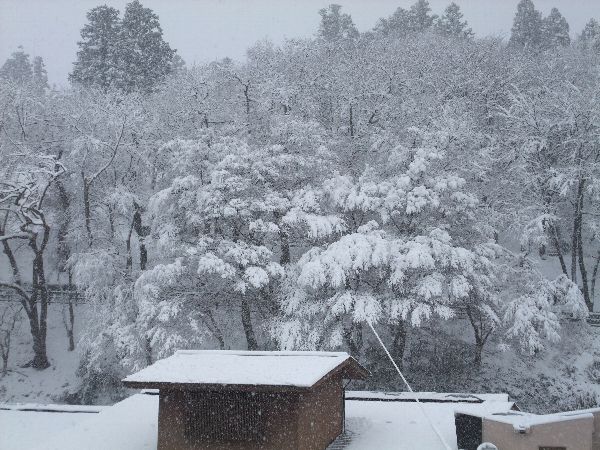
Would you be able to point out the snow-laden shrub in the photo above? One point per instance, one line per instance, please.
(593, 371)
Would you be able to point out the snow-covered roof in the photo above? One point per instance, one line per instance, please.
(133, 425)
(523, 420)
(51, 408)
(245, 368)
(425, 397)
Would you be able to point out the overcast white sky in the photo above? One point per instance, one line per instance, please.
(204, 30)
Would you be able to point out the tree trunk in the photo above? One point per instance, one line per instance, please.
(87, 210)
(247, 105)
(247, 324)
(38, 318)
(480, 335)
(284, 241)
(129, 261)
(594, 275)
(574, 248)
(41, 359)
(39, 298)
(556, 240)
(143, 255)
(353, 338)
(142, 232)
(148, 349)
(479, 343)
(582, 269)
(71, 326)
(4, 364)
(214, 328)
(63, 226)
(398, 342)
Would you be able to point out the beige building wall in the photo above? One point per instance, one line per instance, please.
(596, 435)
(572, 434)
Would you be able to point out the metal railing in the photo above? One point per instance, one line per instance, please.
(57, 293)
(594, 319)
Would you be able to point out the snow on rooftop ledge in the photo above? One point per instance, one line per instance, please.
(261, 353)
(243, 368)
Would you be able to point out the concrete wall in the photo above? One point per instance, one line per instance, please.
(596, 435)
(573, 434)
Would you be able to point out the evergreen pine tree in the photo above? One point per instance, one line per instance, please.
(527, 26)
(98, 49)
(335, 25)
(17, 68)
(40, 76)
(451, 24)
(402, 22)
(555, 30)
(590, 36)
(177, 64)
(397, 24)
(144, 57)
(420, 17)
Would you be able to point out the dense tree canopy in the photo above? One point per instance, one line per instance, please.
(417, 176)
(128, 54)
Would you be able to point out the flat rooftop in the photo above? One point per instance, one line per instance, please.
(373, 420)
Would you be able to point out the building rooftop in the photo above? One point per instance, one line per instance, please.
(132, 424)
(521, 420)
(240, 369)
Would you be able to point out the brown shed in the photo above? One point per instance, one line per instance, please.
(249, 400)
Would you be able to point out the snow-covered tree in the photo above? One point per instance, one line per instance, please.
(40, 76)
(527, 26)
(335, 25)
(421, 18)
(98, 54)
(555, 30)
(25, 178)
(396, 263)
(590, 35)
(17, 68)
(129, 53)
(319, 185)
(144, 58)
(10, 321)
(534, 319)
(555, 132)
(414, 20)
(451, 24)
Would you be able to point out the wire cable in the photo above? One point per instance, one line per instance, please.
(437, 432)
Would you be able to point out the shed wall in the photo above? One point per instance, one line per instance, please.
(321, 415)
(280, 424)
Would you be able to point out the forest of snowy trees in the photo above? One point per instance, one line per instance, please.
(404, 176)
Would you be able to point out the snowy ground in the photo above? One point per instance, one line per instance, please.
(50, 385)
(26, 428)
